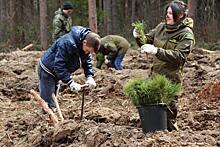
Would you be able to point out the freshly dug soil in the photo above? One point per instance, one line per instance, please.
(110, 119)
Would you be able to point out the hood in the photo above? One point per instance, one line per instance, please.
(188, 22)
(79, 33)
(59, 11)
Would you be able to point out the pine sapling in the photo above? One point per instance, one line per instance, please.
(140, 29)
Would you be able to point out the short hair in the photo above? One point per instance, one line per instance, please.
(178, 8)
(93, 40)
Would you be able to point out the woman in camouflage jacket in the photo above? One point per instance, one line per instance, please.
(170, 43)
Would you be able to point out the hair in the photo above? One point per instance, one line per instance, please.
(93, 40)
(178, 8)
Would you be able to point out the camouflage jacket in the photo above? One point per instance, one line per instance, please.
(61, 24)
(174, 45)
(112, 46)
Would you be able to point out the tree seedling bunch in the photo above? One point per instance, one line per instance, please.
(140, 26)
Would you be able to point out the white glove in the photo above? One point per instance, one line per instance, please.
(149, 48)
(75, 86)
(135, 33)
(91, 82)
(107, 61)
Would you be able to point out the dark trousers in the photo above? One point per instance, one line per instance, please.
(172, 115)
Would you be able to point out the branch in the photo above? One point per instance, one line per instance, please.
(44, 105)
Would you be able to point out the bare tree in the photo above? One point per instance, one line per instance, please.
(192, 4)
(43, 24)
(133, 8)
(92, 15)
(107, 16)
(114, 16)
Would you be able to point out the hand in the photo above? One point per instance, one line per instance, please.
(75, 86)
(91, 82)
(149, 48)
(107, 61)
(136, 33)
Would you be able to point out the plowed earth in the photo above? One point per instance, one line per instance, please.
(110, 119)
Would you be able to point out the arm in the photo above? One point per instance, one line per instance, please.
(182, 49)
(113, 51)
(57, 27)
(61, 60)
(87, 65)
(179, 54)
(100, 58)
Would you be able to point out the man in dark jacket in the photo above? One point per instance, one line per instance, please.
(63, 58)
(62, 21)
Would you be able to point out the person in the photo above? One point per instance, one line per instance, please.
(62, 21)
(112, 51)
(63, 58)
(170, 43)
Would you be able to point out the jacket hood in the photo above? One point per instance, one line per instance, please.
(188, 22)
(59, 11)
(79, 33)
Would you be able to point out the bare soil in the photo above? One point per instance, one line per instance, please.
(110, 119)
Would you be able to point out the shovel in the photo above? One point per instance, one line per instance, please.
(58, 107)
(83, 99)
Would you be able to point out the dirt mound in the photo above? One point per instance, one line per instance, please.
(109, 117)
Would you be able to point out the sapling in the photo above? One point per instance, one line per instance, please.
(140, 26)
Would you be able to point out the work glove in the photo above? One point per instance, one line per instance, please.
(91, 82)
(107, 61)
(136, 34)
(75, 86)
(149, 48)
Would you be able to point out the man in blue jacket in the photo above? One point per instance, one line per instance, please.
(63, 58)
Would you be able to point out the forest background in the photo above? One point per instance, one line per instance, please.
(23, 22)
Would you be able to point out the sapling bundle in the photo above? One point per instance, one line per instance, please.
(154, 90)
(140, 29)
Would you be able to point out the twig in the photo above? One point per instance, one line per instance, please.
(43, 104)
(27, 47)
(3, 136)
(9, 137)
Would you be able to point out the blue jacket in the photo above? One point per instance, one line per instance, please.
(66, 54)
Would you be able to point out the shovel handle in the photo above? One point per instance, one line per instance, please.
(84, 85)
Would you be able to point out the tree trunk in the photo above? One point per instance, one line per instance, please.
(43, 24)
(2, 19)
(126, 12)
(133, 10)
(92, 15)
(107, 18)
(114, 17)
(192, 4)
(17, 20)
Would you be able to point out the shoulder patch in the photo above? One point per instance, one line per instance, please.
(188, 35)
